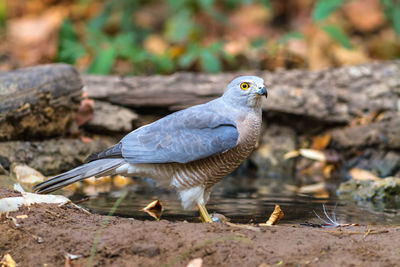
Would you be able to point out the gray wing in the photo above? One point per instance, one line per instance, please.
(184, 136)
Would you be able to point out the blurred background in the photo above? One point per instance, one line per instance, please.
(148, 37)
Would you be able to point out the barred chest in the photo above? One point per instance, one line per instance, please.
(209, 171)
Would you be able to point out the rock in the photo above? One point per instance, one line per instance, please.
(111, 118)
(379, 162)
(268, 157)
(27, 175)
(51, 156)
(388, 165)
(381, 194)
(382, 134)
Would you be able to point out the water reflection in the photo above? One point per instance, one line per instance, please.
(244, 200)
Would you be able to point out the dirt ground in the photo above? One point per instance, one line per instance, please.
(49, 232)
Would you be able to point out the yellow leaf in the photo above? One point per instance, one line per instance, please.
(276, 215)
(154, 209)
(327, 171)
(121, 181)
(97, 181)
(360, 174)
(7, 261)
(320, 142)
(155, 44)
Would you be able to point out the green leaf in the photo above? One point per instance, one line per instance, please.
(266, 3)
(257, 43)
(3, 13)
(179, 26)
(96, 39)
(176, 4)
(101, 20)
(206, 4)
(103, 62)
(123, 44)
(338, 35)
(209, 62)
(187, 59)
(216, 46)
(323, 8)
(396, 18)
(69, 49)
(163, 64)
(289, 36)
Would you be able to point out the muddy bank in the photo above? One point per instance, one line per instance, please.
(49, 232)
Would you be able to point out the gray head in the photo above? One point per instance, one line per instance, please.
(245, 91)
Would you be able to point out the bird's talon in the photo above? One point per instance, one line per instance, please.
(205, 217)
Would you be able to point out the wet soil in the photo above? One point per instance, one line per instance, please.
(49, 232)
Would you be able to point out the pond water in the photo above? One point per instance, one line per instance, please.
(243, 200)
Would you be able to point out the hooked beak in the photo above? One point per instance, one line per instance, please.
(263, 91)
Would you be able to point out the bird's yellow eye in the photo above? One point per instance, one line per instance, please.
(244, 86)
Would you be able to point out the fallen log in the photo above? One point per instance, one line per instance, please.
(333, 96)
(39, 101)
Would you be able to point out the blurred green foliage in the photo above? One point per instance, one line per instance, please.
(3, 13)
(127, 41)
(323, 8)
(392, 12)
(183, 34)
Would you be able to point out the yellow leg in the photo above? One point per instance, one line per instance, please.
(205, 217)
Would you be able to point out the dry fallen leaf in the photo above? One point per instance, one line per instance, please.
(328, 170)
(312, 188)
(276, 215)
(33, 39)
(73, 187)
(154, 209)
(291, 154)
(320, 142)
(95, 190)
(13, 203)
(155, 44)
(97, 181)
(364, 15)
(345, 56)
(27, 175)
(23, 216)
(360, 174)
(198, 262)
(312, 154)
(85, 111)
(7, 261)
(121, 181)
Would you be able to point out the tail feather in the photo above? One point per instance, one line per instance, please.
(95, 168)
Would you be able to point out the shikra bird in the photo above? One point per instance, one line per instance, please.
(190, 150)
